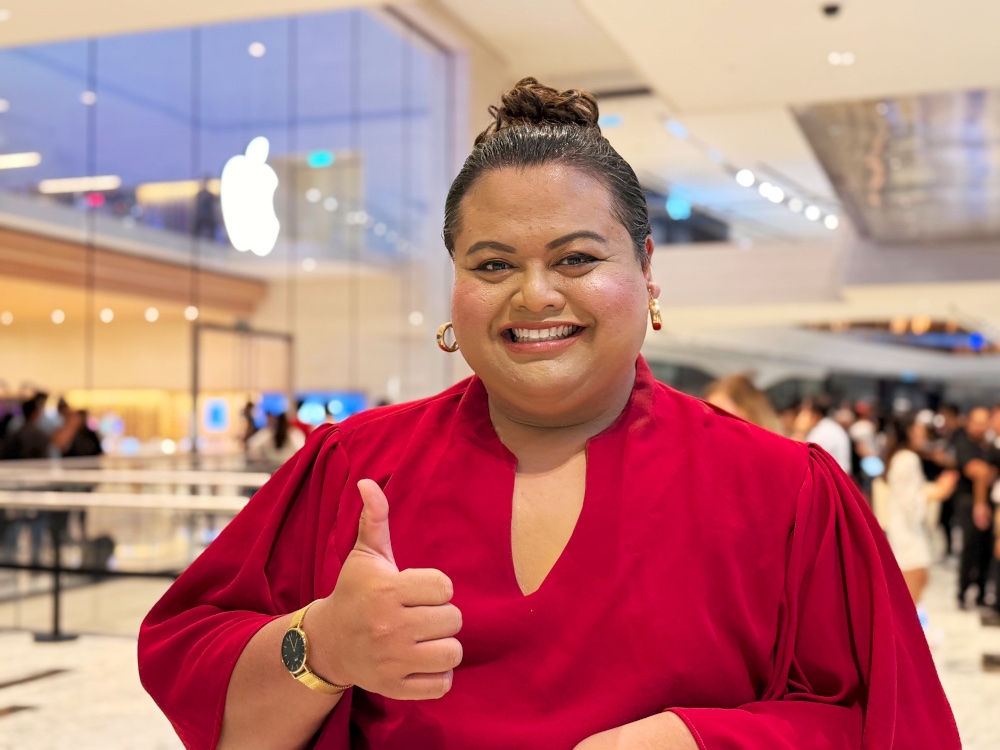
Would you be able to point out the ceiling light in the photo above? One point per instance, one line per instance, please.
(4, 105)
(107, 315)
(4, 15)
(777, 195)
(676, 129)
(765, 189)
(834, 58)
(847, 58)
(89, 98)
(330, 204)
(416, 318)
(191, 313)
(745, 178)
(19, 161)
(6, 317)
(152, 314)
(80, 184)
(899, 325)
(831, 222)
(58, 317)
(812, 213)
(610, 121)
(794, 205)
(313, 195)
(309, 265)
(920, 324)
(257, 49)
(178, 190)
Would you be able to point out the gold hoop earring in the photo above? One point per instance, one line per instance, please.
(440, 338)
(654, 314)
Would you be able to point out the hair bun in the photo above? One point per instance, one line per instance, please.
(531, 103)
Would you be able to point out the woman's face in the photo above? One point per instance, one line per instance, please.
(550, 301)
(918, 436)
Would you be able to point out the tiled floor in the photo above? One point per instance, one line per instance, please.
(99, 703)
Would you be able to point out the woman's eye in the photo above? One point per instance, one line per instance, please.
(578, 259)
(493, 265)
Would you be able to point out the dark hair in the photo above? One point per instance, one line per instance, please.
(897, 434)
(820, 406)
(29, 407)
(536, 125)
(280, 431)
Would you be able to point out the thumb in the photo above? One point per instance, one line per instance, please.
(373, 528)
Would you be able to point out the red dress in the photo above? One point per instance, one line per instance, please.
(716, 570)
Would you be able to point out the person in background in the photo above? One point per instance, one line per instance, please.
(908, 496)
(298, 424)
(738, 395)
(206, 221)
(28, 442)
(276, 443)
(250, 424)
(973, 507)
(786, 417)
(941, 453)
(812, 425)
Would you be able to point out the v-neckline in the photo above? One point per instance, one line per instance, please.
(485, 436)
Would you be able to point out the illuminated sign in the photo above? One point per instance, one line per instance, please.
(248, 186)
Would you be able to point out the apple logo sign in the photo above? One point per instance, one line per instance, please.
(247, 192)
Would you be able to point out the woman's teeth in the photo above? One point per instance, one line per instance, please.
(543, 334)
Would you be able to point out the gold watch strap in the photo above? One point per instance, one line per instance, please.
(306, 676)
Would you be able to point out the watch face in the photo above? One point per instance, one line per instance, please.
(293, 650)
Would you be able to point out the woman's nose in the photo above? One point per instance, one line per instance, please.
(539, 291)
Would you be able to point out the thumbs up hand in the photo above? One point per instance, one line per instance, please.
(387, 631)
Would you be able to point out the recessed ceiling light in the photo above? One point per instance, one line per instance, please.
(191, 313)
(20, 161)
(313, 195)
(831, 222)
(152, 314)
(88, 98)
(58, 317)
(331, 204)
(745, 178)
(4, 15)
(416, 318)
(4, 105)
(257, 49)
(107, 315)
(676, 129)
(812, 213)
(765, 189)
(794, 205)
(777, 195)
(6, 317)
(309, 265)
(847, 58)
(833, 58)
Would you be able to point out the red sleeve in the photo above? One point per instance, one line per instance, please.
(263, 565)
(851, 667)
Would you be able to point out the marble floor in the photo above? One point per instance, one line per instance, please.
(97, 701)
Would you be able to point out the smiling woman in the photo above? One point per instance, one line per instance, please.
(580, 557)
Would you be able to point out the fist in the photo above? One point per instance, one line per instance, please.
(387, 631)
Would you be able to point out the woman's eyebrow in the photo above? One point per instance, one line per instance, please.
(583, 234)
(489, 245)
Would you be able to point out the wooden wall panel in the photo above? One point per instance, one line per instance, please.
(32, 256)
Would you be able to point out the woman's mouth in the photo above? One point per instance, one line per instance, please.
(518, 335)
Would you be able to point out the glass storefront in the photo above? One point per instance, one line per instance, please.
(120, 235)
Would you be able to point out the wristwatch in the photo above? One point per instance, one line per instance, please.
(295, 656)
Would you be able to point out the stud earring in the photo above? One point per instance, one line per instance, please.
(654, 314)
(445, 347)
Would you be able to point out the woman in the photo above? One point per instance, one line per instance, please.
(908, 495)
(739, 396)
(580, 557)
(276, 443)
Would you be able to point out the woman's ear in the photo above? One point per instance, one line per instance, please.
(647, 272)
